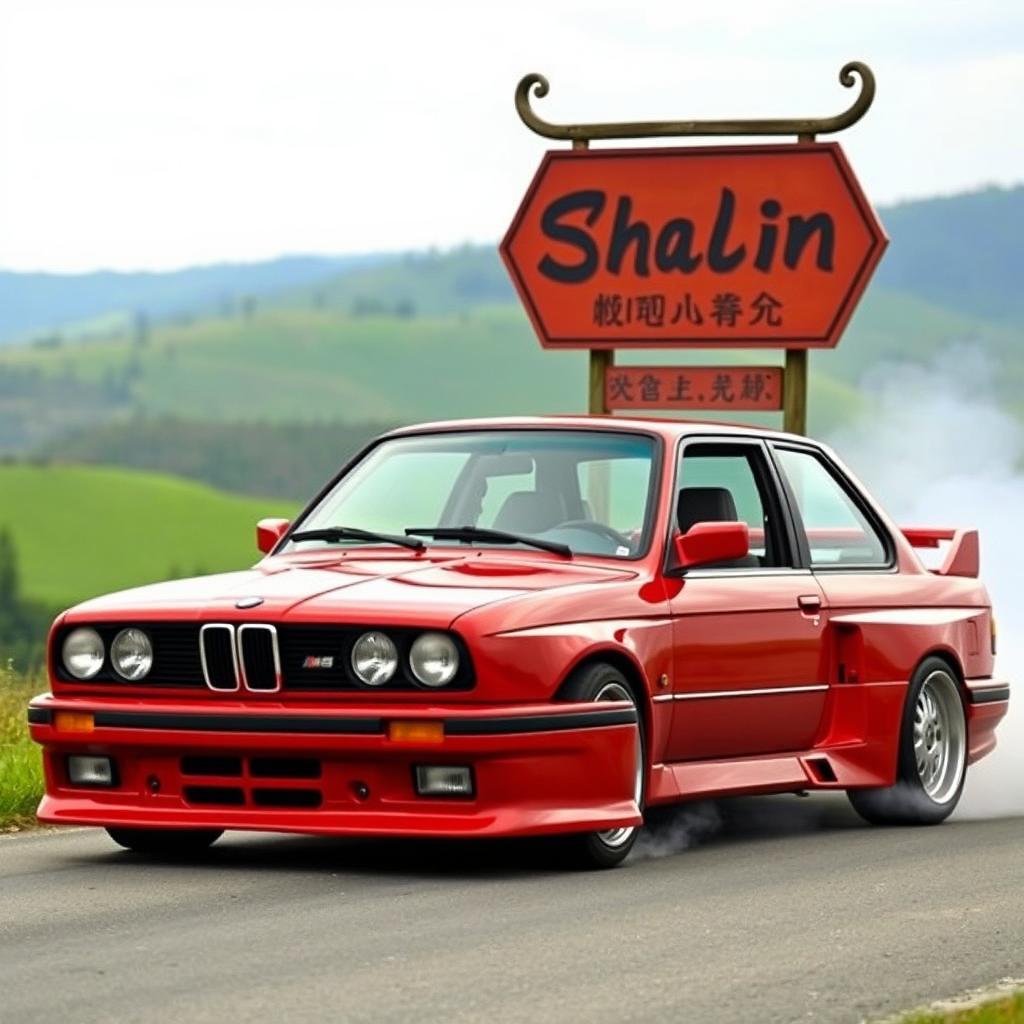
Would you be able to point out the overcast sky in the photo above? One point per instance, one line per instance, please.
(152, 134)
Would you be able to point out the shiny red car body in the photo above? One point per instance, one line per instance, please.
(743, 676)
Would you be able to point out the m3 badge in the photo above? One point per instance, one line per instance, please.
(315, 661)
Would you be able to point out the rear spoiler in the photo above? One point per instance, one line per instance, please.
(964, 555)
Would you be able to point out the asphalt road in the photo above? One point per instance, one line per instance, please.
(790, 911)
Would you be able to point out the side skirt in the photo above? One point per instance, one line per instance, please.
(845, 767)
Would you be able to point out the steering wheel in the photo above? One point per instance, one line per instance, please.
(620, 540)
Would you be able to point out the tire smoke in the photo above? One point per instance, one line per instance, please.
(936, 449)
(675, 829)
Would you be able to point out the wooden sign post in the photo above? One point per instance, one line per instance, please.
(742, 247)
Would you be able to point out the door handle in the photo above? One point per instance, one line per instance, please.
(810, 603)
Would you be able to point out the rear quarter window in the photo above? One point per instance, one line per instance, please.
(838, 531)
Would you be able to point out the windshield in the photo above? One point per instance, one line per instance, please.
(587, 490)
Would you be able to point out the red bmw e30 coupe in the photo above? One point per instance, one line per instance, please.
(527, 627)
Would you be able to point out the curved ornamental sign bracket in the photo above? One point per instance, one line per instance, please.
(733, 246)
(538, 86)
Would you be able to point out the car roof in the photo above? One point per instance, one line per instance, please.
(671, 429)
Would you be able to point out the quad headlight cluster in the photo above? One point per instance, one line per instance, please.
(433, 659)
(131, 654)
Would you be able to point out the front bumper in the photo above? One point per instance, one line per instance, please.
(537, 769)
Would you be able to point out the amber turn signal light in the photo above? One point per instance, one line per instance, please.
(73, 721)
(416, 732)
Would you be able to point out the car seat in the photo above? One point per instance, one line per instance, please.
(710, 505)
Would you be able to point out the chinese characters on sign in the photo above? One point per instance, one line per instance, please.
(742, 388)
(725, 309)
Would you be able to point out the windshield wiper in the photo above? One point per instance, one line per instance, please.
(471, 533)
(336, 533)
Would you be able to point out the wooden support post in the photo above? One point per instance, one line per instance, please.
(794, 383)
(601, 361)
(794, 392)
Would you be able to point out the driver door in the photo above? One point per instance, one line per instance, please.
(749, 674)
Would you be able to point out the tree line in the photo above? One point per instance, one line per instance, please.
(271, 460)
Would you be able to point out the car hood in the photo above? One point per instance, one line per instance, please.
(412, 590)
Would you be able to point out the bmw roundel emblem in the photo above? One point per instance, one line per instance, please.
(249, 602)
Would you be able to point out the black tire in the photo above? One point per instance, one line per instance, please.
(928, 795)
(598, 850)
(165, 842)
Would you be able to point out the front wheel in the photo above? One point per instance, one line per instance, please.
(932, 761)
(165, 842)
(607, 849)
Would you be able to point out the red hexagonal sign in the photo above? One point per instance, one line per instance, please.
(723, 246)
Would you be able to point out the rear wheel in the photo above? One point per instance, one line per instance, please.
(165, 842)
(602, 682)
(932, 762)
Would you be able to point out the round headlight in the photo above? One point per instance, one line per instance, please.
(131, 654)
(374, 658)
(83, 653)
(434, 659)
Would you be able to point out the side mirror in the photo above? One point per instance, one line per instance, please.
(269, 532)
(706, 543)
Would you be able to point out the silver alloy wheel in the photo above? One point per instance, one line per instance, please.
(617, 837)
(940, 737)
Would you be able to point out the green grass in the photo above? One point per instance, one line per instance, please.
(21, 770)
(83, 531)
(305, 364)
(1007, 1009)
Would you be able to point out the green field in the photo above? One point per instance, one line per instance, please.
(304, 364)
(301, 365)
(84, 531)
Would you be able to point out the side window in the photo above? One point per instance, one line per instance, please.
(731, 482)
(838, 532)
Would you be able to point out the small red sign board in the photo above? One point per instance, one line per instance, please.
(742, 388)
(727, 246)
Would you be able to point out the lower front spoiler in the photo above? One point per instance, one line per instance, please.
(536, 770)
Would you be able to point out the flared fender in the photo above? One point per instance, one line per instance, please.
(887, 645)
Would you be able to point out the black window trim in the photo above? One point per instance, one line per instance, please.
(858, 498)
(777, 496)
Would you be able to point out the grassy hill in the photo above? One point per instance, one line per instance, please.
(289, 460)
(39, 304)
(300, 365)
(243, 398)
(83, 531)
(416, 284)
(961, 252)
(304, 364)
